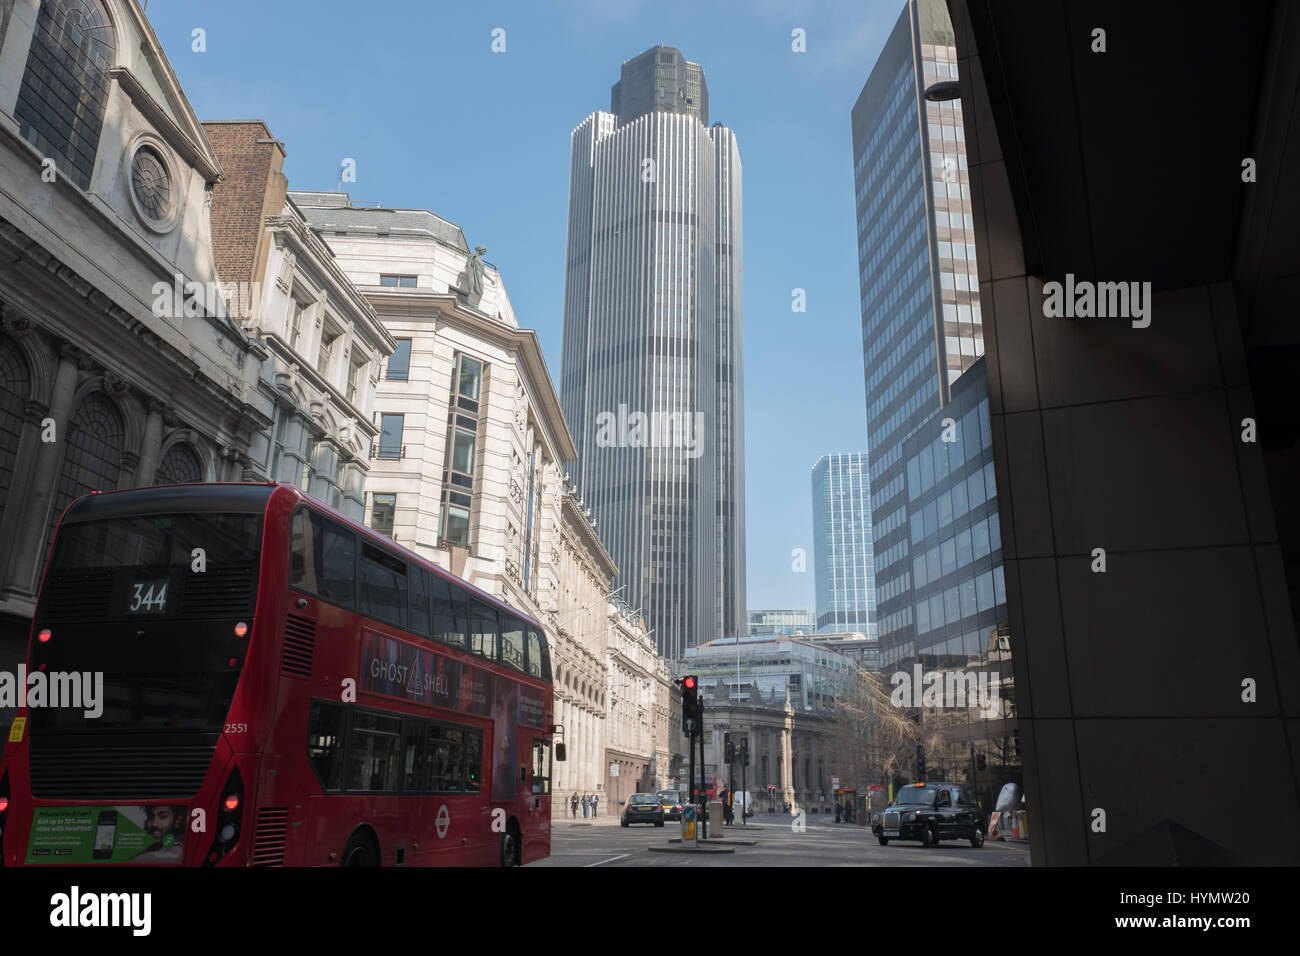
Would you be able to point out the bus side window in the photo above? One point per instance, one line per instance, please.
(534, 659)
(541, 766)
(473, 758)
(383, 585)
(512, 642)
(419, 600)
(483, 632)
(325, 743)
(448, 613)
(322, 557)
(303, 553)
(338, 562)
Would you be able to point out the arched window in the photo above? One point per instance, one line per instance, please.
(179, 465)
(60, 107)
(93, 462)
(15, 389)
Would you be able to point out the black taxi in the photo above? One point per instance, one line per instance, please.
(930, 812)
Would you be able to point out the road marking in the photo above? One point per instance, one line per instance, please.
(610, 860)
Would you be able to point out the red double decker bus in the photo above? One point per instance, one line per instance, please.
(278, 685)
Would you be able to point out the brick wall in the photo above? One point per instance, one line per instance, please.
(252, 188)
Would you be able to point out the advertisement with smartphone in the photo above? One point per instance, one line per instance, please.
(152, 833)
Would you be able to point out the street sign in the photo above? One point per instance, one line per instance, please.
(835, 782)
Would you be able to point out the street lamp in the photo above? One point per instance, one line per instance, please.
(943, 90)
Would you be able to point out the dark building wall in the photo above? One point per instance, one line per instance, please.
(1129, 682)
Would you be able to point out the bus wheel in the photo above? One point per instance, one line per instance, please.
(510, 846)
(360, 851)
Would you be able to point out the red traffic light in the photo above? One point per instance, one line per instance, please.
(689, 683)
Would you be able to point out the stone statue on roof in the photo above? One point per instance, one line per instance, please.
(474, 271)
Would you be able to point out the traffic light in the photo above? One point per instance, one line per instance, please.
(692, 710)
(920, 762)
(729, 749)
(745, 750)
(979, 761)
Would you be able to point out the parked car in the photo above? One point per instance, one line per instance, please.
(931, 812)
(643, 808)
(671, 801)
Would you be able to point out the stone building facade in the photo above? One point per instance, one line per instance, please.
(119, 363)
(326, 346)
(467, 465)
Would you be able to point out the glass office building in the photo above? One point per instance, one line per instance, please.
(652, 334)
(956, 594)
(782, 621)
(842, 553)
(921, 322)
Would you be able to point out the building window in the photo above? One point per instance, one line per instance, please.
(96, 436)
(15, 389)
(399, 363)
(397, 282)
(382, 511)
(455, 525)
(329, 335)
(60, 108)
(309, 466)
(295, 330)
(277, 448)
(458, 476)
(470, 375)
(390, 436)
(357, 377)
(180, 465)
(152, 187)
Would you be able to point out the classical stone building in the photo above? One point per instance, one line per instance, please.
(467, 464)
(325, 343)
(779, 693)
(638, 745)
(119, 366)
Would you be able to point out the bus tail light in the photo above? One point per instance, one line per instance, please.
(230, 812)
(44, 635)
(4, 813)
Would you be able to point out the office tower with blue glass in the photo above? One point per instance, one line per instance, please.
(921, 322)
(653, 328)
(842, 551)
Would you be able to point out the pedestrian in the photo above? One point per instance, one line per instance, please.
(595, 798)
(573, 806)
(586, 806)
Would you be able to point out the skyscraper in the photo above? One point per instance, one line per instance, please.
(842, 554)
(921, 322)
(652, 376)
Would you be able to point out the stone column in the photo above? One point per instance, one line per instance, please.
(46, 473)
(151, 451)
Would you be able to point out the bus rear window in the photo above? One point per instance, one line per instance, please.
(173, 541)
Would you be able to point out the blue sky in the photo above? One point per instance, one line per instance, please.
(412, 91)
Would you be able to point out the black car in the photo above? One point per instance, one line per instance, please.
(643, 808)
(931, 812)
(671, 801)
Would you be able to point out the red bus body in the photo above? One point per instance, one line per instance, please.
(306, 660)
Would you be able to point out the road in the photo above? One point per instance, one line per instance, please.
(822, 843)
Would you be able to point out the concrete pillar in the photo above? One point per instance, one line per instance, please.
(152, 449)
(46, 473)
